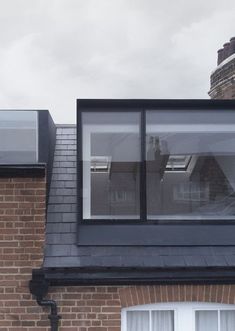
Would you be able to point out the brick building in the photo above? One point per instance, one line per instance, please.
(118, 223)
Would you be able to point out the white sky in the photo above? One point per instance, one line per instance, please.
(55, 51)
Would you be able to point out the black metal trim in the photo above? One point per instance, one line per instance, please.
(199, 104)
(161, 235)
(143, 200)
(23, 170)
(79, 165)
(53, 317)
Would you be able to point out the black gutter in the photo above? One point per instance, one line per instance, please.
(139, 276)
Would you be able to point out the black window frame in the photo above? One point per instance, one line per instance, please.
(143, 231)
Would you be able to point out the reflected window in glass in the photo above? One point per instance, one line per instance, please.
(111, 165)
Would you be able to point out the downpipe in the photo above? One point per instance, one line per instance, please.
(38, 286)
(53, 317)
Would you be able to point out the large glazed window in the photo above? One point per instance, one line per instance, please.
(190, 164)
(111, 165)
(18, 137)
(179, 317)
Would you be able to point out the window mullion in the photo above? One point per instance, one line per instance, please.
(150, 320)
(143, 207)
(218, 320)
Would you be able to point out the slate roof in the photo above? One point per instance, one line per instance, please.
(61, 247)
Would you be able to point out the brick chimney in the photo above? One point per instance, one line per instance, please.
(223, 77)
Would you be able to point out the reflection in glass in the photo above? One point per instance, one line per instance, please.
(190, 164)
(18, 137)
(111, 157)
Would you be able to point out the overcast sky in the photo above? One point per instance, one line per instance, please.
(55, 51)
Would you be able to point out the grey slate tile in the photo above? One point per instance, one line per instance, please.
(71, 130)
(173, 261)
(62, 262)
(61, 238)
(65, 191)
(65, 152)
(52, 238)
(71, 170)
(64, 177)
(230, 259)
(54, 217)
(61, 136)
(72, 147)
(69, 217)
(66, 142)
(57, 184)
(56, 199)
(216, 261)
(58, 250)
(64, 171)
(195, 261)
(70, 184)
(70, 199)
(61, 217)
(67, 164)
(59, 158)
(59, 147)
(228, 250)
(61, 208)
(58, 227)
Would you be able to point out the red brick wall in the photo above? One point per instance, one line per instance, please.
(22, 222)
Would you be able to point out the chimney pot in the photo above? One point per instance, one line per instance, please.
(220, 56)
(226, 50)
(232, 46)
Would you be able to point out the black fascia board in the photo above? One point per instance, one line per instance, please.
(23, 170)
(98, 104)
(139, 276)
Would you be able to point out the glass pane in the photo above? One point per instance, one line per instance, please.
(227, 320)
(206, 320)
(138, 321)
(163, 320)
(18, 137)
(190, 164)
(111, 165)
